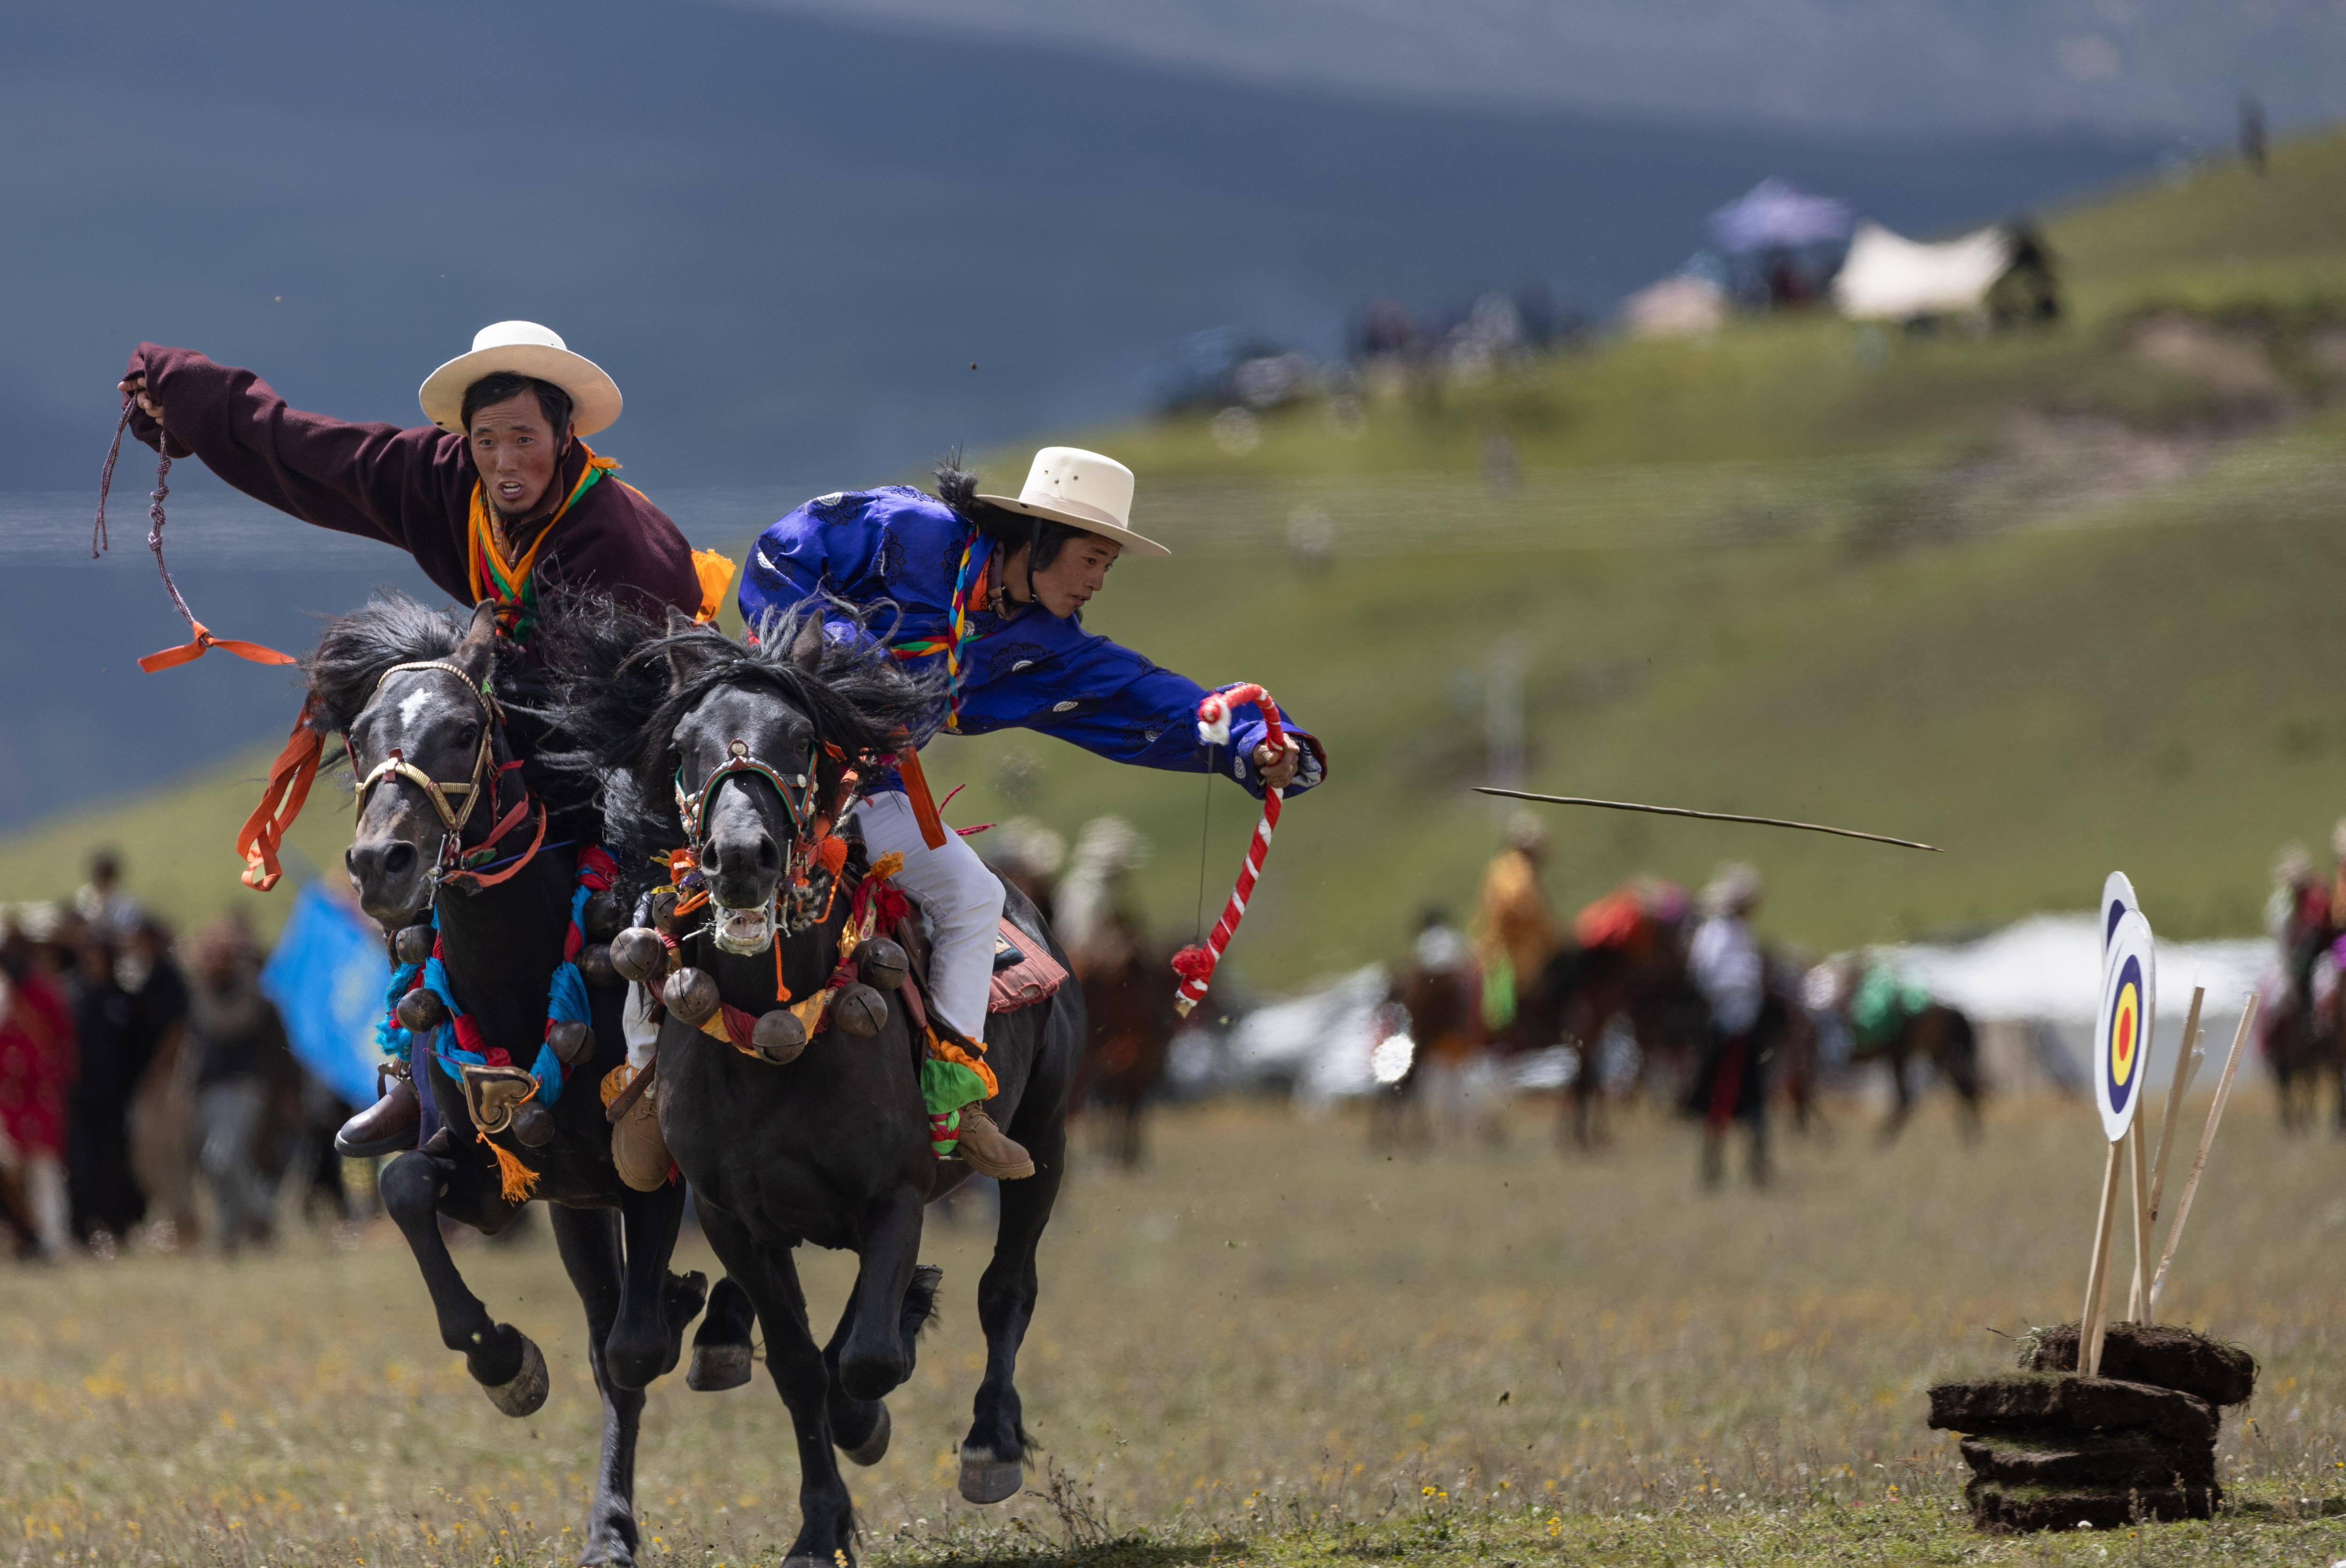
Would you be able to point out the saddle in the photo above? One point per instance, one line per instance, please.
(1025, 972)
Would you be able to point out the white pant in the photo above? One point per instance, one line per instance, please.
(964, 900)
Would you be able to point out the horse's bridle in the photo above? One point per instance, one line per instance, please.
(693, 806)
(484, 762)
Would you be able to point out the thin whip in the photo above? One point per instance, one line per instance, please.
(1702, 816)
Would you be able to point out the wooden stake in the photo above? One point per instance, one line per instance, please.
(2207, 1139)
(2187, 1061)
(2138, 1157)
(2089, 1327)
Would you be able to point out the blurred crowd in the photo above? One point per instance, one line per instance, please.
(1648, 987)
(148, 1092)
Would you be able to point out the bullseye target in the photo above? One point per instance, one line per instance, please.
(2122, 1029)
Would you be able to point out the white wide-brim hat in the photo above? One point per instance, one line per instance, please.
(1083, 490)
(526, 349)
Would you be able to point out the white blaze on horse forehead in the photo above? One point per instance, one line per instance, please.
(412, 707)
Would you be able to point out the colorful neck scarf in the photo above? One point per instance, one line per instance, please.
(511, 582)
(970, 581)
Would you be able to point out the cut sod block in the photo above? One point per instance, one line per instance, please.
(2153, 1353)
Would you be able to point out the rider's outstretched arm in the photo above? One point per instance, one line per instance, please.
(1110, 700)
(376, 480)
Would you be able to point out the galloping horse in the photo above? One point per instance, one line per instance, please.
(410, 689)
(810, 1127)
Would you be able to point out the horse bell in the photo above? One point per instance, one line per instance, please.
(639, 954)
(603, 915)
(779, 1038)
(533, 1126)
(594, 966)
(412, 944)
(859, 1011)
(691, 995)
(883, 964)
(420, 1011)
(573, 1042)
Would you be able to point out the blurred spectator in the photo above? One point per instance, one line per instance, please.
(1725, 963)
(101, 903)
(36, 1067)
(1515, 930)
(113, 1053)
(237, 1043)
(162, 1109)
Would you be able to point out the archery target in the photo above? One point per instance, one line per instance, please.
(2122, 1028)
(2117, 899)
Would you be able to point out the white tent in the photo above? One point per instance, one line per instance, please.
(1685, 306)
(1888, 277)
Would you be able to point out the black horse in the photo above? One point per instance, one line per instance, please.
(831, 1145)
(406, 685)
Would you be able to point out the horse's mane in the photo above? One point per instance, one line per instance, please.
(355, 650)
(622, 699)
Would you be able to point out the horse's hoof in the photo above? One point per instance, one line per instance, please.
(526, 1392)
(717, 1368)
(874, 1448)
(985, 1479)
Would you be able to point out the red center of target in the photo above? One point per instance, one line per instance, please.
(2122, 1036)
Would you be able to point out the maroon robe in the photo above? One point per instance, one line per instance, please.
(412, 488)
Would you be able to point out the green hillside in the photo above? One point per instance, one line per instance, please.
(2056, 601)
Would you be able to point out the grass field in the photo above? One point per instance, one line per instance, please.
(1277, 1347)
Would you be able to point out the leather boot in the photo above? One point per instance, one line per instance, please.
(988, 1150)
(385, 1128)
(638, 1149)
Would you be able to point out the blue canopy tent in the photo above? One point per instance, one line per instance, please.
(1782, 245)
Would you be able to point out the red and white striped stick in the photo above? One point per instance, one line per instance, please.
(1195, 964)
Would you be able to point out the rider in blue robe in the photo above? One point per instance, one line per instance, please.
(1021, 658)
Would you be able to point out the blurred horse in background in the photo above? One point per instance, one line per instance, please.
(1627, 961)
(1892, 1021)
(1126, 981)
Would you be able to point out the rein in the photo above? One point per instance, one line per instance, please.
(200, 641)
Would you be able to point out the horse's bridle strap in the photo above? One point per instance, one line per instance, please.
(396, 765)
(693, 806)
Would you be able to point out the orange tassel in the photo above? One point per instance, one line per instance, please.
(831, 854)
(515, 1180)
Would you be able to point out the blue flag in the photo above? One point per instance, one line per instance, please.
(327, 978)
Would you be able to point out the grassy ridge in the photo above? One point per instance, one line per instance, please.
(2056, 601)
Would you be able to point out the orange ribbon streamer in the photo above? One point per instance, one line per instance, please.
(203, 642)
(290, 777)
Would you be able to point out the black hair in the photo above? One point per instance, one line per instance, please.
(957, 487)
(498, 385)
